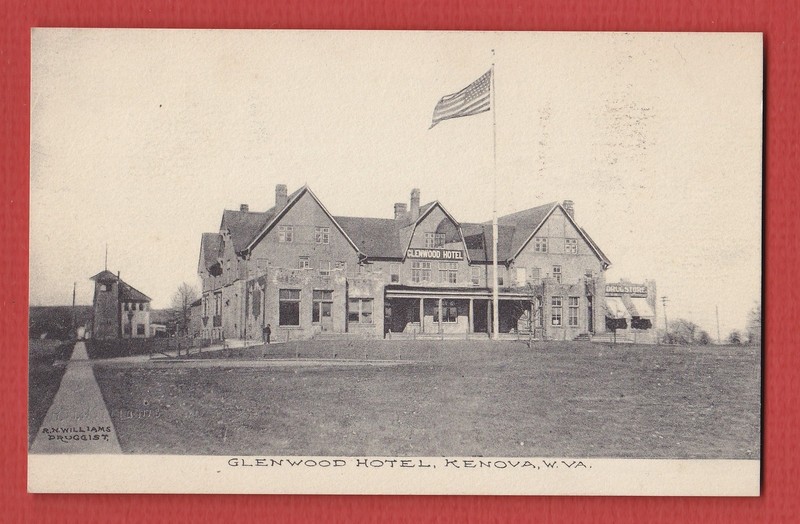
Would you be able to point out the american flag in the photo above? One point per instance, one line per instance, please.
(473, 99)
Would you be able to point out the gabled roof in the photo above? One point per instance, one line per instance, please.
(211, 249)
(291, 201)
(105, 276)
(375, 237)
(243, 225)
(127, 292)
(423, 212)
(526, 223)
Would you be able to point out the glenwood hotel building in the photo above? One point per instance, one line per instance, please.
(308, 273)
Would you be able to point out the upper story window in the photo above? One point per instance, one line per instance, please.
(262, 263)
(103, 287)
(285, 233)
(434, 240)
(325, 268)
(322, 235)
(571, 246)
(448, 272)
(304, 263)
(341, 265)
(540, 245)
(394, 273)
(535, 274)
(476, 275)
(557, 273)
(420, 271)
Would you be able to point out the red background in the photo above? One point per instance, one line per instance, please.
(777, 19)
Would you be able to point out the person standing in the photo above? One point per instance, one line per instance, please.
(267, 333)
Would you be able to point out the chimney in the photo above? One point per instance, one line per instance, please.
(569, 207)
(244, 208)
(400, 211)
(281, 196)
(414, 213)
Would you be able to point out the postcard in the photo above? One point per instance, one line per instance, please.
(395, 262)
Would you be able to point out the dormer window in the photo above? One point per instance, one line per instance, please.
(540, 245)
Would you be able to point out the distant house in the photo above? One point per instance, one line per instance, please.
(119, 309)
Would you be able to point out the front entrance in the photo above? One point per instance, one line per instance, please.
(480, 316)
(589, 314)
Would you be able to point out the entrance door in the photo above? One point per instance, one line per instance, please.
(480, 318)
(589, 314)
(325, 317)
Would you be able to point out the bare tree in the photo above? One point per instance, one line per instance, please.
(181, 306)
(754, 325)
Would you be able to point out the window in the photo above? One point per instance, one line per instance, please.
(341, 265)
(304, 263)
(535, 274)
(540, 245)
(448, 272)
(127, 329)
(572, 320)
(449, 311)
(322, 235)
(125, 306)
(205, 305)
(140, 329)
(285, 234)
(217, 304)
(420, 271)
(434, 240)
(557, 273)
(324, 268)
(103, 287)
(141, 306)
(499, 279)
(555, 311)
(289, 307)
(522, 276)
(476, 276)
(571, 246)
(588, 274)
(322, 305)
(262, 264)
(394, 273)
(359, 310)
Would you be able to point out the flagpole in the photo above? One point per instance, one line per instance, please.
(495, 297)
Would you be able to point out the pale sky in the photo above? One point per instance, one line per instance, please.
(140, 138)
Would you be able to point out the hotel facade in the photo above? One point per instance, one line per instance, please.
(307, 273)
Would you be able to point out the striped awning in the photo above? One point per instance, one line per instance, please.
(615, 308)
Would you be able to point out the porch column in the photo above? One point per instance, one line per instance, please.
(471, 327)
(489, 325)
(421, 315)
(440, 315)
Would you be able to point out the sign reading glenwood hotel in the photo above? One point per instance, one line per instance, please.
(438, 254)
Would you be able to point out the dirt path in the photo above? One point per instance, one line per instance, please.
(78, 421)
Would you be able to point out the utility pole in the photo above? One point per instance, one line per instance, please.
(719, 340)
(73, 307)
(664, 301)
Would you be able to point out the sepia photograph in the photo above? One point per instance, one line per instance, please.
(395, 262)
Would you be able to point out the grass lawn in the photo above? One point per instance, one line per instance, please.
(47, 362)
(446, 398)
